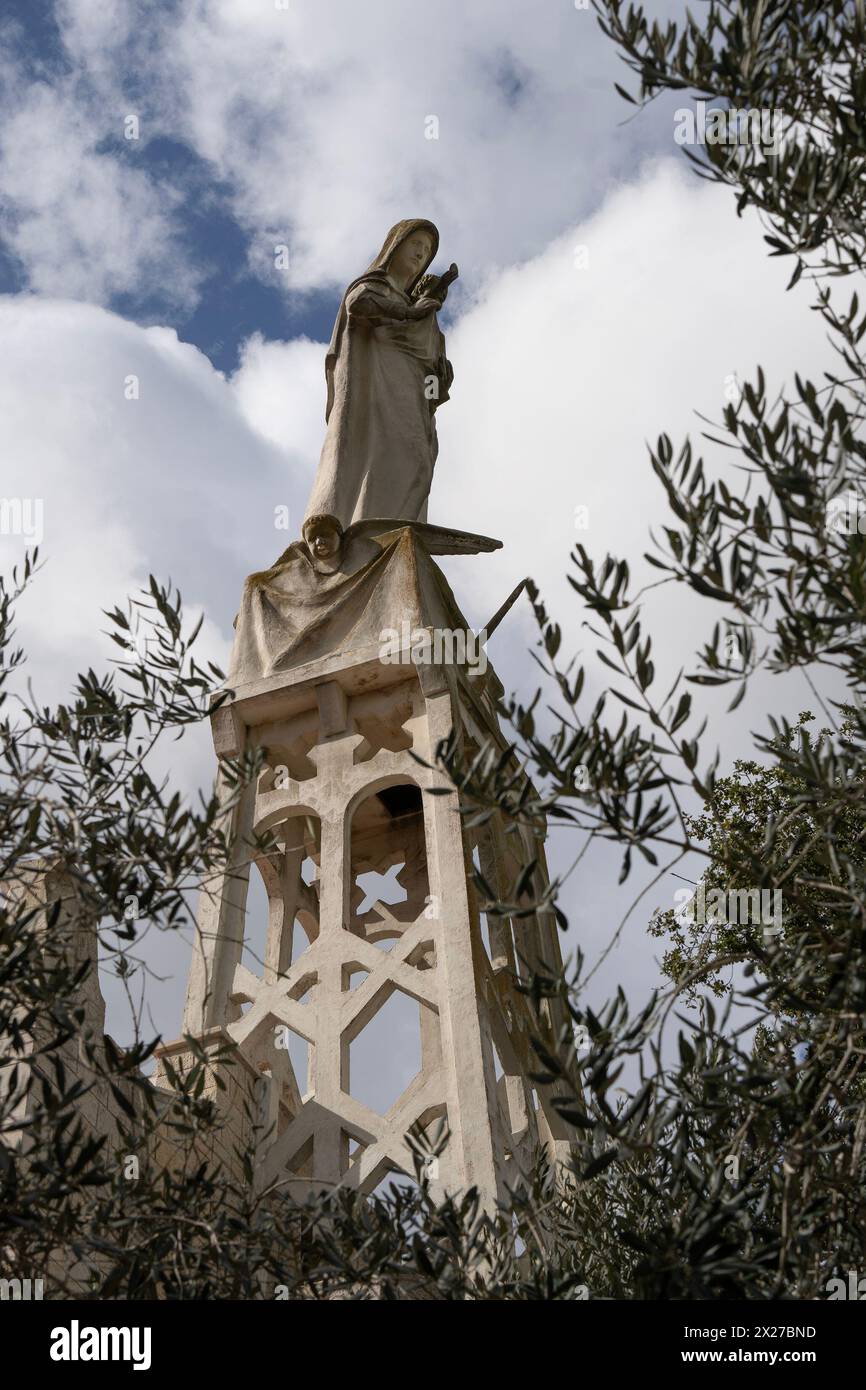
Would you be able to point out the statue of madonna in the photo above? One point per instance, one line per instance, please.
(387, 373)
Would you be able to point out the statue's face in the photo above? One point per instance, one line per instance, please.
(324, 541)
(410, 257)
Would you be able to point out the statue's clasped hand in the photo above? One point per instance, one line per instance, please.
(424, 306)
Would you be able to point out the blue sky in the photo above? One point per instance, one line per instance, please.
(233, 303)
(308, 127)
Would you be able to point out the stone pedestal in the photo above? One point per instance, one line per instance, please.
(342, 792)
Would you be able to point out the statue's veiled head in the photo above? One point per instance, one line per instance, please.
(408, 250)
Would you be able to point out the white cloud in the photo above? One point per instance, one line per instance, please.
(173, 481)
(562, 374)
(316, 117)
(83, 222)
(280, 389)
(319, 117)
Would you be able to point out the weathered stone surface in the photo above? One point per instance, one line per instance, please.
(344, 793)
(387, 374)
(380, 577)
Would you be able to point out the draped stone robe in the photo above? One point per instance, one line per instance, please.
(386, 376)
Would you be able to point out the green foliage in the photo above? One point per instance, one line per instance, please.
(765, 815)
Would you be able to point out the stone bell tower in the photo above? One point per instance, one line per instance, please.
(346, 722)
